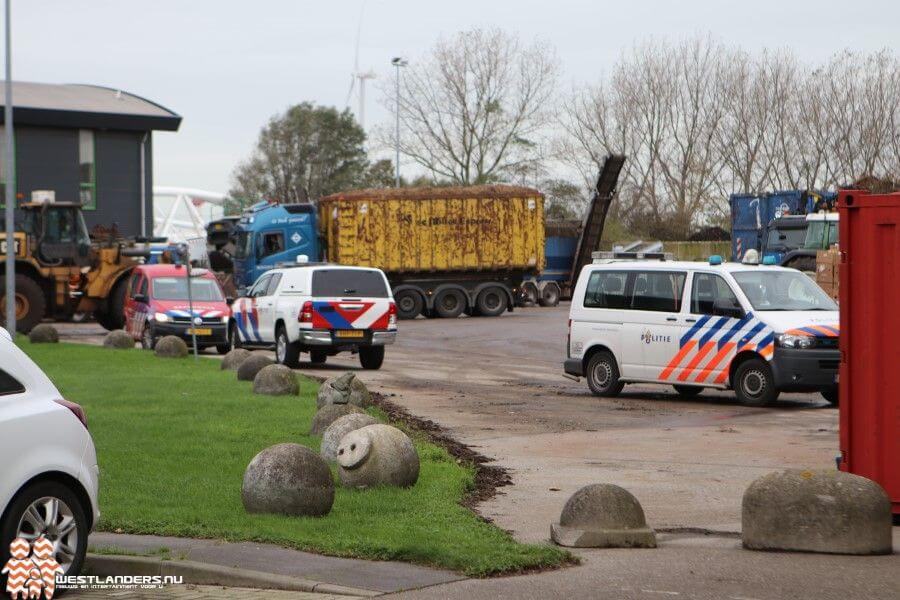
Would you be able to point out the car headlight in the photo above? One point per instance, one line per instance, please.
(161, 317)
(795, 341)
(225, 319)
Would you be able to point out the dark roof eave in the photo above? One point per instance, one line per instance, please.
(91, 120)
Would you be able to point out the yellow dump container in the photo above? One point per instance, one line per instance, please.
(434, 230)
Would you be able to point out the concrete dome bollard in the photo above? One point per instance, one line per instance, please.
(288, 479)
(344, 389)
(825, 511)
(276, 380)
(118, 339)
(232, 360)
(171, 346)
(603, 515)
(335, 432)
(252, 365)
(377, 455)
(330, 413)
(43, 334)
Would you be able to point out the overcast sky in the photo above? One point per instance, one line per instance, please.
(227, 66)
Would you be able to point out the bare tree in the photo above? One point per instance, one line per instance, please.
(475, 109)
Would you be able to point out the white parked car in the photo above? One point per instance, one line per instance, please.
(320, 309)
(49, 476)
(756, 329)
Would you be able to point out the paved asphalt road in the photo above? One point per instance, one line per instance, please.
(496, 384)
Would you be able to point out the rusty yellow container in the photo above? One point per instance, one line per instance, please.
(454, 229)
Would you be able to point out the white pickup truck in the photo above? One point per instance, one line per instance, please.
(317, 308)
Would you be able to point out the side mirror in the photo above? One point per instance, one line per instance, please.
(229, 300)
(142, 298)
(727, 307)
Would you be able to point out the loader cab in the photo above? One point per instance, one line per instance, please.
(58, 233)
(821, 230)
(270, 234)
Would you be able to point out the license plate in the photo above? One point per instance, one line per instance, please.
(202, 331)
(350, 333)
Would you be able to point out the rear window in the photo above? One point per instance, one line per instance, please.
(606, 289)
(349, 283)
(9, 384)
(635, 290)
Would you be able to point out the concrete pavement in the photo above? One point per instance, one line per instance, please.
(199, 592)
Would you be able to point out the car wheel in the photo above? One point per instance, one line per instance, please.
(52, 510)
(409, 304)
(688, 391)
(602, 375)
(491, 302)
(831, 395)
(449, 304)
(234, 338)
(318, 357)
(148, 340)
(372, 357)
(223, 348)
(286, 352)
(754, 384)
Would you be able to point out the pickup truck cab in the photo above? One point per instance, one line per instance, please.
(156, 305)
(321, 309)
(756, 329)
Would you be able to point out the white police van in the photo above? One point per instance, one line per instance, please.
(757, 329)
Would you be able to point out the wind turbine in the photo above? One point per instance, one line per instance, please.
(360, 76)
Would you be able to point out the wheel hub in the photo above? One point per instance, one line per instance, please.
(53, 519)
(754, 383)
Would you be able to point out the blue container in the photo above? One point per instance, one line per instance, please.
(559, 253)
(752, 213)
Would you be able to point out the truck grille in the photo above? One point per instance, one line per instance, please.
(204, 319)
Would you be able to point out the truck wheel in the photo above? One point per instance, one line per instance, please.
(449, 304)
(409, 304)
(529, 294)
(287, 353)
(831, 395)
(148, 340)
(372, 357)
(602, 375)
(31, 305)
(688, 391)
(114, 318)
(491, 302)
(318, 357)
(550, 295)
(754, 384)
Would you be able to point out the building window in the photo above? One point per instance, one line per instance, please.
(87, 169)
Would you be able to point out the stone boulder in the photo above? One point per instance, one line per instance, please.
(232, 360)
(288, 479)
(276, 380)
(335, 432)
(43, 334)
(118, 339)
(816, 511)
(330, 413)
(603, 515)
(252, 365)
(377, 455)
(344, 389)
(171, 346)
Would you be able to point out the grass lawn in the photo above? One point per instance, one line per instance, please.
(174, 437)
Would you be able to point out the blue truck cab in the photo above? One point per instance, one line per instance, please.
(268, 234)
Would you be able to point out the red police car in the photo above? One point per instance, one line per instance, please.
(156, 305)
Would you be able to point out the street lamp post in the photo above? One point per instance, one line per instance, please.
(398, 62)
(10, 187)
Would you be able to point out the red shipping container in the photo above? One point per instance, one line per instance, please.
(869, 374)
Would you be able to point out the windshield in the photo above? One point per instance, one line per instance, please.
(782, 290)
(175, 288)
(821, 235)
(243, 241)
(793, 238)
(349, 283)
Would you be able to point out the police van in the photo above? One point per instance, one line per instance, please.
(756, 329)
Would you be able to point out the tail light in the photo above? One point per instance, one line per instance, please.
(306, 313)
(392, 315)
(76, 410)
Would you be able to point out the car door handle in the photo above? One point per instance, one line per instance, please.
(690, 320)
(671, 319)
